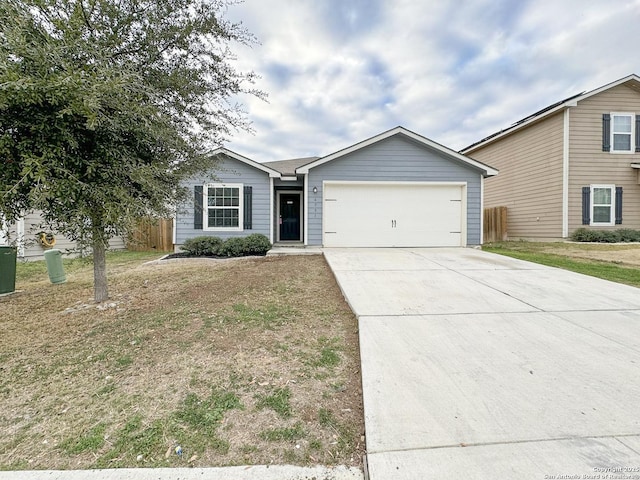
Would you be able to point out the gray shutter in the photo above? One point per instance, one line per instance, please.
(586, 205)
(248, 208)
(637, 133)
(197, 207)
(606, 132)
(618, 205)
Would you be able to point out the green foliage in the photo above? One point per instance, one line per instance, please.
(204, 246)
(256, 244)
(107, 107)
(278, 401)
(207, 246)
(286, 433)
(92, 441)
(206, 414)
(606, 236)
(232, 247)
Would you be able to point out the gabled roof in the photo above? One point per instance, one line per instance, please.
(288, 167)
(231, 154)
(631, 81)
(403, 132)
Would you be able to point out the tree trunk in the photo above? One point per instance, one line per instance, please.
(100, 287)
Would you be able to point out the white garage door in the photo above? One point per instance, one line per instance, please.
(389, 214)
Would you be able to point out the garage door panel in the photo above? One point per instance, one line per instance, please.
(393, 214)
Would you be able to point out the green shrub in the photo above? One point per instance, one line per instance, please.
(629, 235)
(203, 246)
(606, 236)
(232, 247)
(256, 244)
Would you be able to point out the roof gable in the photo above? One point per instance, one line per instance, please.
(631, 81)
(400, 131)
(236, 156)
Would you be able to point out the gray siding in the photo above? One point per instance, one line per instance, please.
(33, 250)
(395, 159)
(229, 171)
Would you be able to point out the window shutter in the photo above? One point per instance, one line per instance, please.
(618, 205)
(197, 207)
(606, 132)
(248, 208)
(586, 205)
(637, 133)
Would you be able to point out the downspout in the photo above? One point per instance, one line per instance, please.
(565, 175)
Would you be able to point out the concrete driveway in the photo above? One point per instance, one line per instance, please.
(479, 366)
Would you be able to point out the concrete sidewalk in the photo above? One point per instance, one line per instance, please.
(479, 366)
(259, 472)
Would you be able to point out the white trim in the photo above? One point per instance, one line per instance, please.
(4, 232)
(279, 193)
(224, 151)
(205, 207)
(271, 208)
(481, 210)
(569, 103)
(305, 191)
(175, 228)
(487, 171)
(565, 175)
(393, 182)
(631, 134)
(463, 195)
(612, 216)
(20, 236)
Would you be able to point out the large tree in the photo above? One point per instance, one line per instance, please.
(106, 106)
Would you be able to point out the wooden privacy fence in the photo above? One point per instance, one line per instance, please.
(495, 224)
(152, 234)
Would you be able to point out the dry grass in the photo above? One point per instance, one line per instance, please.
(250, 361)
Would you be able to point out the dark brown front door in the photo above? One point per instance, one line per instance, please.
(289, 216)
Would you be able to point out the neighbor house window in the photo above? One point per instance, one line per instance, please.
(622, 126)
(602, 204)
(223, 206)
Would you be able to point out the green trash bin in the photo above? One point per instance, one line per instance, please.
(54, 266)
(7, 269)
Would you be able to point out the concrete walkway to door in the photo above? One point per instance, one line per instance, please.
(479, 366)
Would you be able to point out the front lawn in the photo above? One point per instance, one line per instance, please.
(618, 263)
(191, 363)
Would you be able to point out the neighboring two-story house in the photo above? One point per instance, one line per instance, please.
(573, 164)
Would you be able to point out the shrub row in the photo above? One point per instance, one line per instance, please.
(606, 236)
(205, 246)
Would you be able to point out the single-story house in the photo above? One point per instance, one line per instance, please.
(396, 189)
(574, 164)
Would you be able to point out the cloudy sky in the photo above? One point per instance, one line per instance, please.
(340, 71)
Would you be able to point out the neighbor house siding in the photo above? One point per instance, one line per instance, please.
(530, 179)
(33, 250)
(588, 164)
(394, 160)
(229, 171)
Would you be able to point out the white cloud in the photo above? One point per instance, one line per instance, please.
(339, 71)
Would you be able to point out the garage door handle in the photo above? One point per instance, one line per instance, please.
(393, 224)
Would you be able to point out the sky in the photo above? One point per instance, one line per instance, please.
(340, 71)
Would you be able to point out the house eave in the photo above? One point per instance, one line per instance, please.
(229, 153)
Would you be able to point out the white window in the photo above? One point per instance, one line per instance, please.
(603, 204)
(622, 132)
(223, 206)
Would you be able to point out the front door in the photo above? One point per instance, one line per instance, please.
(289, 216)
